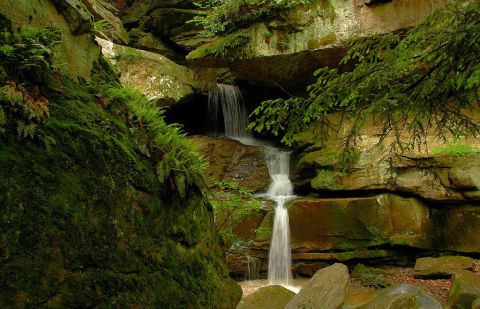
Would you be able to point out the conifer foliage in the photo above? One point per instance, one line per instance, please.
(425, 79)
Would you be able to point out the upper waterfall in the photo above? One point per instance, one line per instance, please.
(235, 116)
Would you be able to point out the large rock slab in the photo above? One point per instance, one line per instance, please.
(230, 160)
(157, 77)
(442, 172)
(442, 267)
(465, 288)
(455, 228)
(76, 52)
(402, 296)
(353, 224)
(326, 290)
(271, 297)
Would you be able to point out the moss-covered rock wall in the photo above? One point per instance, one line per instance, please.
(85, 219)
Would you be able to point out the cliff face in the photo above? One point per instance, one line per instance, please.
(283, 50)
(85, 218)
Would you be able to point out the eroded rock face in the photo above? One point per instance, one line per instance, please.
(76, 53)
(434, 174)
(157, 77)
(327, 289)
(355, 224)
(272, 297)
(286, 51)
(232, 161)
(161, 26)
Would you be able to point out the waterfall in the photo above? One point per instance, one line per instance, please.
(228, 100)
(233, 109)
(280, 191)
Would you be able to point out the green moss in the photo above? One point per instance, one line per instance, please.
(324, 180)
(458, 150)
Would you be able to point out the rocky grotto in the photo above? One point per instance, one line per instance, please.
(250, 154)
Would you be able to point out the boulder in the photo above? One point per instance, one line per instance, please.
(402, 296)
(157, 77)
(355, 224)
(76, 52)
(231, 161)
(442, 267)
(272, 297)
(327, 289)
(465, 288)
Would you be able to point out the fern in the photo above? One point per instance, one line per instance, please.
(178, 159)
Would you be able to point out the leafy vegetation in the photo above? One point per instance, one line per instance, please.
(232, 205)
(225, 16)
(410, 83)
(26, 56)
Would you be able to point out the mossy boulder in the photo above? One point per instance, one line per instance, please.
(442, 267)
(85, 221)
(465, 289)
(327, 289)
(156, 76)
(272, 297)
(402, 296)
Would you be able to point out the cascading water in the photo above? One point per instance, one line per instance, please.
(233, 109)
(280, 191)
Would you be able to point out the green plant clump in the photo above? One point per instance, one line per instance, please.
(232, 205)
(231, 46)
(230, 15)
(425, 79)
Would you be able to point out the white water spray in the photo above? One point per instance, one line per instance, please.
(280, 191)
(233, 109)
